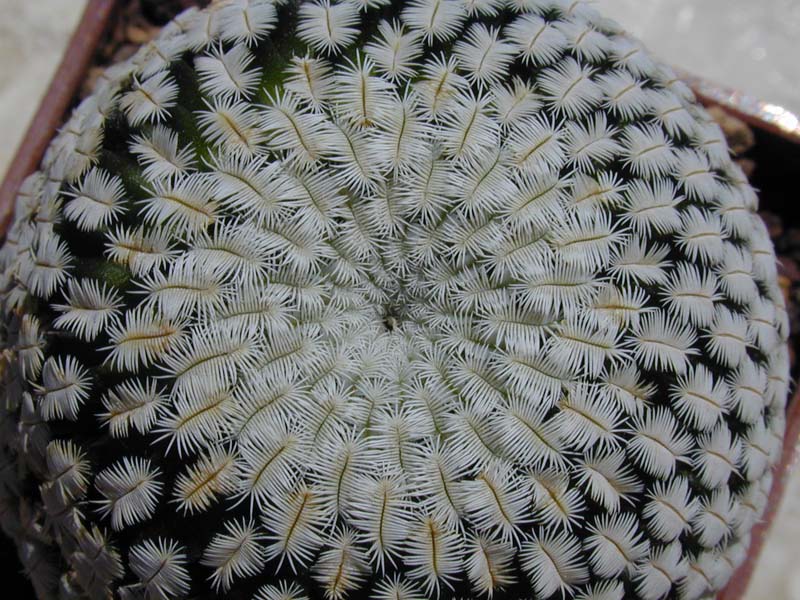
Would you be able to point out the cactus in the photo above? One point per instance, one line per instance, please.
(426, 299)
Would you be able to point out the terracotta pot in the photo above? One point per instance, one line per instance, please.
(63, 90)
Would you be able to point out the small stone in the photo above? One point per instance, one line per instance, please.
(124, 52)
(739, 135)
(748, 166)
(773, 222)
(140, 34)
(788, 268)
(786, 287)
(91, 79)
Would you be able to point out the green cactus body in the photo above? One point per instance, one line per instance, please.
(434, 299)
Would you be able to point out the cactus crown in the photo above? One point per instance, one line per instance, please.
(437, 298)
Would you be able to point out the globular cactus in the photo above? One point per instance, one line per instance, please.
(391, 300)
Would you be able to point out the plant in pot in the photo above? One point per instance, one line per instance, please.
(438, 298)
